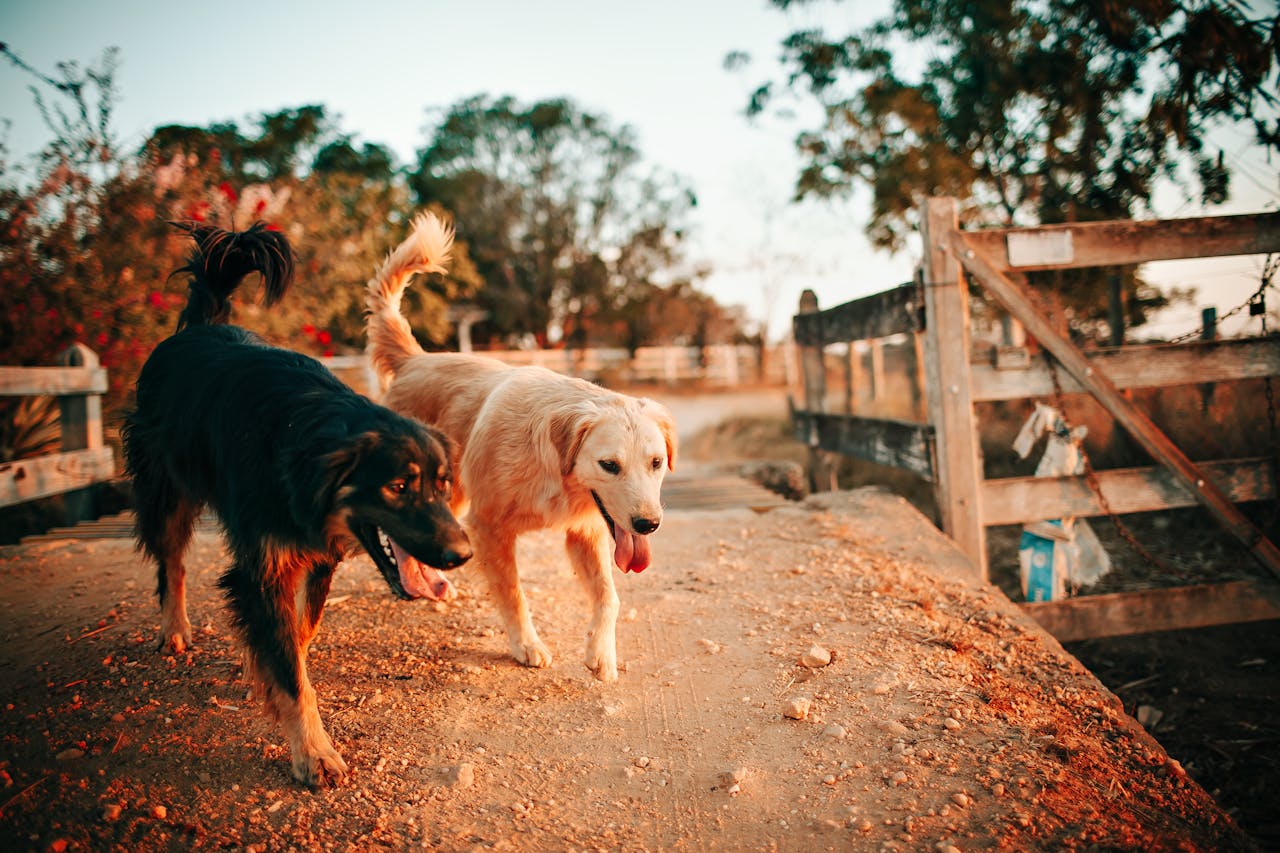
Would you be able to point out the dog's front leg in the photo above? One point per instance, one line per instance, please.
(588, 554)
(495, 552)
(276, 613)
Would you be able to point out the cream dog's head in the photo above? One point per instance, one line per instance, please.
(620, 450)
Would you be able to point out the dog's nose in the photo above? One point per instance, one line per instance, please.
(454, 557)
(644, 526)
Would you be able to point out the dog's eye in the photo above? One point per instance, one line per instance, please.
(610, 466)
(397, 487)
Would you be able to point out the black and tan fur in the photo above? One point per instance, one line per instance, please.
(300, 471)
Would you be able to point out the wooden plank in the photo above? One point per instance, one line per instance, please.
(1179, 608)
(52, 381)
(889, 312)
(958, 462)
(1119, 242)
(1017, 500)
(1017, 302)
(55, 473)
(822, 470)
(900, 444)
(1154, 366)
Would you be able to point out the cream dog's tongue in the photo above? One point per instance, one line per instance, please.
(419, 579)
(631, 552)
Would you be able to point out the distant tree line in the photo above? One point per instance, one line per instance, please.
(564, 234)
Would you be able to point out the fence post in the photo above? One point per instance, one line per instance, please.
(957, 449)
(81, 421)
(813, 372)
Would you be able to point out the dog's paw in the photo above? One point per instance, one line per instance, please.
(174, 638)
(602, 660)
(603, 670)
(532, 653)
(322, 768)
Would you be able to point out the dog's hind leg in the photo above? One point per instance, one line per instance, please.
(278, 610)
(496, 553)
(592, 566)
(164, 525)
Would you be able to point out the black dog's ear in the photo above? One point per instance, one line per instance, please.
(318, 490)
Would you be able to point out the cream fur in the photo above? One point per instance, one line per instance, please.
(531, 446)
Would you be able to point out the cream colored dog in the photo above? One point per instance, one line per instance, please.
(537, 450)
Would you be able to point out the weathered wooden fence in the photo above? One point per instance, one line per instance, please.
(78, 383)
(946, 450)
(715, 366)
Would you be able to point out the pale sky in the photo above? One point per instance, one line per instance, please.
(378, 66)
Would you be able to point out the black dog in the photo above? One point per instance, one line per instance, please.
(300, 470)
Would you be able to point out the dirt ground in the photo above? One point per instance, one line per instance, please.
(945, 720)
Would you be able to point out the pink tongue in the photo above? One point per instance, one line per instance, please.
(419, 579)
(630, 552)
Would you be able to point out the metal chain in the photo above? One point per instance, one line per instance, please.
(1258, 296)
(1268, 272)
(1091, 479)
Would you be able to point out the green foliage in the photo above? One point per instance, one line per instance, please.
(1029, 112)
(562, 217)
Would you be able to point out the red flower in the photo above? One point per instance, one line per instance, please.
(259, 207)
(324, 338)
(156, 300)
(102, 339)
(308, 329)
(227, 192)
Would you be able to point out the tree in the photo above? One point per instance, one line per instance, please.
(1030, 112)
(552, 199)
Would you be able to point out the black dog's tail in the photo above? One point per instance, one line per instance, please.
(221, 259)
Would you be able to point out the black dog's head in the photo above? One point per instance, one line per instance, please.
(392, 495)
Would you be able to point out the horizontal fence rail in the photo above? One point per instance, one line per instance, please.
(85, 459)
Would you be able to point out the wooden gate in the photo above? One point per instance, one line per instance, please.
(968, 503)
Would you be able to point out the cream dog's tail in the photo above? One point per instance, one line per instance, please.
(391, 341)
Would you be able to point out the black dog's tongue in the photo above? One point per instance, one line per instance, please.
(631, 552)
(418, 579)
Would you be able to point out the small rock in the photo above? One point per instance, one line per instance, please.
(961, 799)
(816, 657)
(952, 724)
(462, 776)
(798, 708)
(70, 754)
(159, 812)
(835, 730)
(898, 778)
(731, 777)
(863, 825)
(895, 728)
(642, 761)
(111, 811)
(710, 645)
(829, 779)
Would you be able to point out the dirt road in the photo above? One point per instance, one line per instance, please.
(944, 720)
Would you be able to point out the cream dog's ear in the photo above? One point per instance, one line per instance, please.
(568, 428)
(662, 416)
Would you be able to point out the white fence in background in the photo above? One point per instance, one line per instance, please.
(718, 366)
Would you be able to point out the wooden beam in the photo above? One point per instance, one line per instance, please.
(52, 381)
(813, 370)
(1017, 500)
(958, 452)
(1154, 366)
(1017, 302)
(890, 312)
(899, 444)
(1113, 243)
(55, 473)
(1179, 608)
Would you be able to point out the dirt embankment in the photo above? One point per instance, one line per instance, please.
(943, 719)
